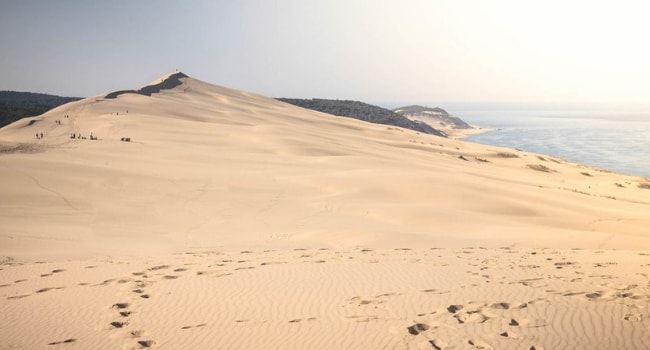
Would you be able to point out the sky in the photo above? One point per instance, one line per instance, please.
(570, 52)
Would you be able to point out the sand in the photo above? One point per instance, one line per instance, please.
(232, 220)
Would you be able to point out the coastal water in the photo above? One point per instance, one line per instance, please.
(612, 141)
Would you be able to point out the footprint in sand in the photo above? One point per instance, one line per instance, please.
(386, 295)
(195, 326)
(362, 318)
(119, 324)
(600, 296)
(146, 343)
(438, 344)
(137, 333)
(67, 341)
(142, 284)
(360, 301)
(509, 334)
(633, 317)
(526, 323)
(120, 306)
(537, 301)
(245, 268)
(480, 313)
(605, 264)
(479, 344)
(417, 328)
(296, 320)
(474, 316)
(532, 282)
(500, 306)
(563, 264)
(213, 273)
(454, 308)
(159, 267)
(19, 296)
(572, 293)
(105, 282)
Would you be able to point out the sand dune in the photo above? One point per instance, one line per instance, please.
(232, 220)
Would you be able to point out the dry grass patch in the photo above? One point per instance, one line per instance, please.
(507, 155)
(540, 167)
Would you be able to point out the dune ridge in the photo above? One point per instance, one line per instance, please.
(233, 220)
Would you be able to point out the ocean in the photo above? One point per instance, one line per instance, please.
(613, 141)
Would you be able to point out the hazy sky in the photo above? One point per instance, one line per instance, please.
(577, 52)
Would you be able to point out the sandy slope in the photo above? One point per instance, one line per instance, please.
(211, 172)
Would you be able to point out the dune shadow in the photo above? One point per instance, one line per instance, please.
(171, 82)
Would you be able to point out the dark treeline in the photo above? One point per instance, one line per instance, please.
(361, 111)
(418, 109)
(16, 105)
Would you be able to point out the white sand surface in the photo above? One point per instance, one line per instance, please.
(252, 223)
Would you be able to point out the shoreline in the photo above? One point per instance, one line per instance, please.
(592, 145)
(461, 134)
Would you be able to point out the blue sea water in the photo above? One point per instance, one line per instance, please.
(614, 141)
